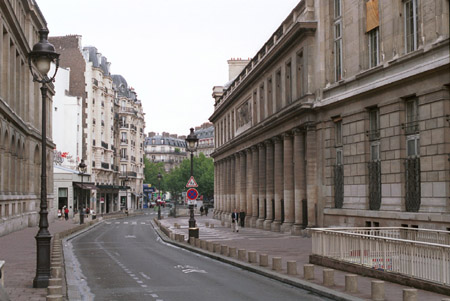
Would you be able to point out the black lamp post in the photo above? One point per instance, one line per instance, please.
(159, 191)
(191, 145)
(82, 169)
(40, 59)
(127, 179)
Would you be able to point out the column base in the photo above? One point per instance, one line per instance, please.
(297, 230)
(248, 221)
(276, 226)
(267, 225)
(253, 221)
(260, 223)
(286, 227)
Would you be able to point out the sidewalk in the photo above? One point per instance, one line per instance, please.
(287, 247)
(18, 249)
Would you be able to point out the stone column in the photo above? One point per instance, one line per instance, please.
(288, 175)
(311, 174)
(299, 179)
(269, 184)
(227, 188)
(248, 211)
(261, 185)
(232, 184)
(222, 188)
(255, 182)
(216, 194)
(278, 182)
(237, 181)
(243, 174)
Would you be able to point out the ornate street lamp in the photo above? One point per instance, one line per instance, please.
(159, 190)
(82, 169)
(39, 61)
(191, 145)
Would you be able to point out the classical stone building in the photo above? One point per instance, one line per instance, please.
(340, 119)
(205, 135)
(167, 148)
(21, 120)
(130, 144)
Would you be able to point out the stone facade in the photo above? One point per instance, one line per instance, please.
(340, 121)
(167, 148)
(205, 135)
(21, 120)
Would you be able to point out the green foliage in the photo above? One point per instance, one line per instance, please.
(151, 171)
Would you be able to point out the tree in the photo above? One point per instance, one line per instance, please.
(151, 171)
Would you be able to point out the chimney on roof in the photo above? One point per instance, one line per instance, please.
(151, 134)
(235, 66)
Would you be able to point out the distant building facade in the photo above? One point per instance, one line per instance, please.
(21, 120)
(205, 135)
(167, 148)
(340, 119)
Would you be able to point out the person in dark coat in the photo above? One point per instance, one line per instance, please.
(242, 218)
(235, 221)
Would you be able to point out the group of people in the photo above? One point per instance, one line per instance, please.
(204, 209)
(64, 211)
(236, 219)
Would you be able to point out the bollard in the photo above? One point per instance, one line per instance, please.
(206, 224)
(351, 283)
(377, 290)
(181, 238)
(198, 242)
(54, 298)
(242, 254)
(54, 290)
(328, 277)
(276, 264)
(204, 245)
(210, 246)
(211, 226)
(224, 250)
(409, 294)
(216, 247)
(263, 260)
(252, 256)
(232, 252)
(308, 271)
(55, 282)
(192, 241)
(292, 267)
(175, 225)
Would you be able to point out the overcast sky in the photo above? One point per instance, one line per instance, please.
(171, 51)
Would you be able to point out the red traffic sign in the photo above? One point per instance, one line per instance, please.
(191, 182)
(192, 194)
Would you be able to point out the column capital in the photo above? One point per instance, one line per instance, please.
(276, 139)
(286, 135)
(268, 142)
(310, 126)
(248, 150)
(297, 131)
(261, 145)
(242, 153)
(254, 148)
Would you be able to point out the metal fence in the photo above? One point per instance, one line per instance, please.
(418, 253)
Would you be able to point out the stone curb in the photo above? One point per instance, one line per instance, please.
(312, 287)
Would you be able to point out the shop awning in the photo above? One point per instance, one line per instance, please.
(85, 186)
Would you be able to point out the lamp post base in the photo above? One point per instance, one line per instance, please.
(193, 232)
(43, 261)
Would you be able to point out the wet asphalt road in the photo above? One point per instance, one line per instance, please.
(126, 260)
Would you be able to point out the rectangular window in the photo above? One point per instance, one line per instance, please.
(411, 21)
(375, 151)
(288, 82)
(337, 9)
(261, 102)
(255, 108)
(374, 124)
(412, 117)
(269, 96)
(373, 48)
(338, 132)
(278, 90)
(299, 73)
(338, 50)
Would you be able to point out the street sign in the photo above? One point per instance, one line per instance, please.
(191, 182)
(192, 194)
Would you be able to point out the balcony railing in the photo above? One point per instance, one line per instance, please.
(105, 165)
(124, 125)
(128, 173)
(416, 253)
(124, 141)
(123, 158)
(411, 127)
(127, 110)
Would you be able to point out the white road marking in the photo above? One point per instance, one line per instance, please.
(108, 223)
(134, 223)
(143, 285)
(145, 276)
(154, 295)
(130, 236)
(142, 223)
(126, 223)
(117, 223)
(140, 282)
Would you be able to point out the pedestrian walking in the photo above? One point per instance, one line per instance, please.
(87, 212)
(235, 221)
(242, 218)
(206, 210)
(201, 211)
(66, 213)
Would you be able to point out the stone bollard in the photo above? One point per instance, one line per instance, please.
(351, 283)
(181, 238)
(292, 267)
(206, 224)
(176, 236)
(224, 250)
(55, 272)
(252, 256)
(55, 282)
(308, 271)
(211, 226)
(54, 290)
(204, 244)
(328, 277)
(232, 252)
(276, 264)
(377, 290)
(242, 254)
(263, 260)
(210, 246)
(54, 298)
(409, 294)
(192, 241)
(217, 248)
(198, 242)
